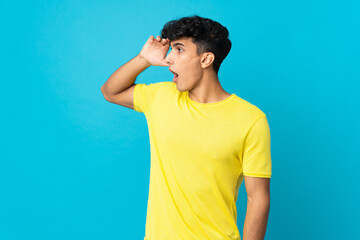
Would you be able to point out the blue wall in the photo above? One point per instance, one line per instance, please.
(74, 166)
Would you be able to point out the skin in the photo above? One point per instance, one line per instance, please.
(258, 207)
(195, 72)
(197, 76)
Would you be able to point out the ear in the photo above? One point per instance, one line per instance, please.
(207, 59)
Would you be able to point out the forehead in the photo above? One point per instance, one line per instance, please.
(185, 42)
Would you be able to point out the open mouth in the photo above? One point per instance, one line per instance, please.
(175, 76)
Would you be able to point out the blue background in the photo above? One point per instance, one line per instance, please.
(74, 166)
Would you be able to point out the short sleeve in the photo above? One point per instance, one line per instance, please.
(144, 95)
(257, 154)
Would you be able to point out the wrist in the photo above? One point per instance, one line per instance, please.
(143, 60)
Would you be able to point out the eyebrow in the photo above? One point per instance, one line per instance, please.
(176, 44)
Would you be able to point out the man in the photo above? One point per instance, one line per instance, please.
(204, 141)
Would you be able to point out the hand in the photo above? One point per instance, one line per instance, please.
(154, 51)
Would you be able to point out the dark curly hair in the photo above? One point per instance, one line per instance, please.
(206, 34)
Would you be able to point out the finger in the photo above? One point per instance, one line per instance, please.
(158, 38)
(151, 38)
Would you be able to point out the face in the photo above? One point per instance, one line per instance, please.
(184, 61)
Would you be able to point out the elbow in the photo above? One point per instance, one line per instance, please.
(104, 94)
(103, 89)
(261, 205)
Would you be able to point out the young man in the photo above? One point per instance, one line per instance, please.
(204, 141)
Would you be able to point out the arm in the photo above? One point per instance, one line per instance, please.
(258, 207)
(125, 76)
(152, 53)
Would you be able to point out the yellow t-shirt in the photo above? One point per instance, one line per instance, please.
(200, 153)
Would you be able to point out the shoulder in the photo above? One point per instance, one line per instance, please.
(169, 85)
(167, 88)
(151, 87)
(155, 85)
(163, 85)
(247, 109)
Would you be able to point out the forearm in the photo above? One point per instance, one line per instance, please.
(125, 76)
(257, 213)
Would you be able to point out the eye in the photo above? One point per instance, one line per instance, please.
(177, 49)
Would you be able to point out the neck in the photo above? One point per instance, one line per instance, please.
(208, 89)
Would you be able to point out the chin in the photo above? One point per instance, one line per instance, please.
(180, 90)
(183, 88)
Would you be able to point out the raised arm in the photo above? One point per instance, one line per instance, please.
(120, 85)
